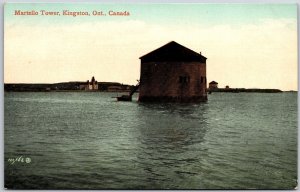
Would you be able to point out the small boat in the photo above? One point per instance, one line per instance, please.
(129, 97)
(124, 98)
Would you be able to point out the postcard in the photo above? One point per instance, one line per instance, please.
(150, 96)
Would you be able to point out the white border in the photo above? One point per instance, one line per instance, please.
(2, 2)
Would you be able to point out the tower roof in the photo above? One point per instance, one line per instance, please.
(173, 51)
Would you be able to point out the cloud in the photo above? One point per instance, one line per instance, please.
(251, 55)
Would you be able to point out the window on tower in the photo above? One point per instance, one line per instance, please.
(184, 79)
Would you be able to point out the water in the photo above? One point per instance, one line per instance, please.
(78, 140)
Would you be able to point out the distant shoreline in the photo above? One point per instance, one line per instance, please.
(113, 87)
(75, 86)
(75, 91)
(239, 90)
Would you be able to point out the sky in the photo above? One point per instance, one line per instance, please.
(246, 45)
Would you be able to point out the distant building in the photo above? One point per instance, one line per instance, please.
(227, 87)
(213, 85)
(89, 85)
(173, 73)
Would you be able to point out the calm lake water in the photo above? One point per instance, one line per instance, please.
(79, 140)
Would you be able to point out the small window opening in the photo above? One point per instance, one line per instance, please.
(184, 79)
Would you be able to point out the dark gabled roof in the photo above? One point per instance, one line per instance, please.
(173, 52)
(213, 82)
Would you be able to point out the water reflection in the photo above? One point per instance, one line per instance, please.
(173, 123)
(171, 137)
